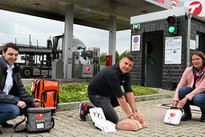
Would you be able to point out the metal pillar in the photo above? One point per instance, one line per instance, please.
(68, 42)
(112, 37)
(188, 39)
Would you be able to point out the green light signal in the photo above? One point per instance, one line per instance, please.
(171, 29)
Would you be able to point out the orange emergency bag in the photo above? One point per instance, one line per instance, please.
(47, 90)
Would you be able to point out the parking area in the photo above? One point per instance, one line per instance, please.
(68, 125)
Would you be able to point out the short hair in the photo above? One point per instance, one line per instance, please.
(200, 54)
(10, 45)
(129, 56)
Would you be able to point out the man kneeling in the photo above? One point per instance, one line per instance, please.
(105, 91)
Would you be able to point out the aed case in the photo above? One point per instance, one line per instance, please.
(173, 116)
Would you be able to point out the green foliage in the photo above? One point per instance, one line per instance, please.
(73, 92)
(124, 53)
(28, 89)
(117, 57)
(103, 58)
(138, 90)
(78, 92)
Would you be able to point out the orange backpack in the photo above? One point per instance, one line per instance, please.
(47, 90)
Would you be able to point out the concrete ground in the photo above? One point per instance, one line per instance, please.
(67, 124)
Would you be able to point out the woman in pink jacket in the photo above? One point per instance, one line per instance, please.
(191, 87)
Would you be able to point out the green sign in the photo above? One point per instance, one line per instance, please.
(136, 26)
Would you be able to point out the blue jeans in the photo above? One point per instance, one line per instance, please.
(11, 111)
(197, 100)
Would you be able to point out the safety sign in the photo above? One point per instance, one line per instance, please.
(136, 43)
(173, 47)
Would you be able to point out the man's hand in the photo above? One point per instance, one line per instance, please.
(138, 116)
(36, 102)
(21, 104)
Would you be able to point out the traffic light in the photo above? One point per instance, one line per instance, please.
(172, 25)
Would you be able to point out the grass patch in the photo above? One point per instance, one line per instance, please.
(139, 90)
(72, 92)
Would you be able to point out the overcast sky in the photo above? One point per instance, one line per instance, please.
(14, 25)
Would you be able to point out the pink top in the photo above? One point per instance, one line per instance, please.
(187, 80)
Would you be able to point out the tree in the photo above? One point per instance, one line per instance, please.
(124, 53)
(117, 57)
(103, 58)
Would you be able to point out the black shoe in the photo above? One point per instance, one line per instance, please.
(186, 116)
(202, 118)
(1, 132)
(6, 125)
(83, 112)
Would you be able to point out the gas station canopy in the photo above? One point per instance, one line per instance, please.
(92, 13)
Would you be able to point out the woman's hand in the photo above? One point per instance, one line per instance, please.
(183, 102)
(175, 103)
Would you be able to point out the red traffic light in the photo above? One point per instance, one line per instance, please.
(171, 20)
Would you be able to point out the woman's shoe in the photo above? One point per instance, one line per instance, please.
(186, 116)
(202, 118)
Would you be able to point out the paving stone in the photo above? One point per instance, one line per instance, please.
(67, 124)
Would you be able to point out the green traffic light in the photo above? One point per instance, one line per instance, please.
(171, 29)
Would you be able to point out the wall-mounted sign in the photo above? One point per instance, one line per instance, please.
(173, 46)
(192, 44)
(136, 26)
(196, 7)
(136, 43)
(173, 4)
(167, 4)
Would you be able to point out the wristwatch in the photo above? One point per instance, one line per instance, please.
(130, 116)
(134, 110)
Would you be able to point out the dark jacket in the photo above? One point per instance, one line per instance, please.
(17, 89)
